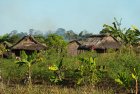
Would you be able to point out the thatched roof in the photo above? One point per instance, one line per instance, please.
(75, 41)
(100, 42)
(28, 43)
(7, 44)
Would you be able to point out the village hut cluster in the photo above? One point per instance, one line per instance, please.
(98, 43)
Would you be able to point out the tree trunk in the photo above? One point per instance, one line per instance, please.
(136, 86)
(29, 78)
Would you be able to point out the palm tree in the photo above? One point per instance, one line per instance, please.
(70, 35)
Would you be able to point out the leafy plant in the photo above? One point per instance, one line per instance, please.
(2, 49)
(28, 60)
(58, 74)
(123, 79)
(87, 71)
(56, 42)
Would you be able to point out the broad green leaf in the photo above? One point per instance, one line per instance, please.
(134, 69)
(79, 81)
(91, 60)
(20, 63)
(134, 76)
(119, 81)
(94, 61)
(134, 27)
(53, 68)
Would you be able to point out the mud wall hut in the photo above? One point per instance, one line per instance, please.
(72, 47)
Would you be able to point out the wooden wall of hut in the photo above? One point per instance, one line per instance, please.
(72, 48)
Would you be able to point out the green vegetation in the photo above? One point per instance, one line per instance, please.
(129, 37)
(55, 72)
(117, 72)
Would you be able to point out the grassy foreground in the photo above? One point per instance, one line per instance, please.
(105, 74)
(45, 89)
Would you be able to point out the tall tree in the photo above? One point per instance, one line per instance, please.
(14, 38)
(31, 32)
(4, 37)
(70, 35)
(84, 34)
(14, 32)
(60, 31)
(56, 42)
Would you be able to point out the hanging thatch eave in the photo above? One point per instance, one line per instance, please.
(78, 43)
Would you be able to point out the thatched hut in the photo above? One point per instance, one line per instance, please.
(7, 45)
(7, 53)
(28, 44)
(72, 47)
(100, 43)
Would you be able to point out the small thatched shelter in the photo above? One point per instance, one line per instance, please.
(28, 44)
(100, 43)
(7, 45)
(7, 53)
(72, 47)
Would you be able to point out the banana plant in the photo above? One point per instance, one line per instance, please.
(123, 80)
(131, 36)
(114, 30)
(128, 37)
(28, 60)
(87, 71)
(57, 70)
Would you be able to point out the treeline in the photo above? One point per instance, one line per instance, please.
(14, 35)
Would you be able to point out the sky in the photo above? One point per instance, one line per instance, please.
(76, 15)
